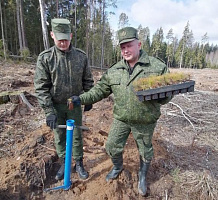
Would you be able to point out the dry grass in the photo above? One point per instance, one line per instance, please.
(160, 81)
(192, 150)
(199, 185)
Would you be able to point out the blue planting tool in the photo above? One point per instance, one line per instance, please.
(68, 157)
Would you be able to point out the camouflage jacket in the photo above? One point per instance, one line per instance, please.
(117, 80)
(60, 75)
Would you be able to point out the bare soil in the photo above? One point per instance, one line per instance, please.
(184, 166)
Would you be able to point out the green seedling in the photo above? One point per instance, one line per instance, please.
(152, 82)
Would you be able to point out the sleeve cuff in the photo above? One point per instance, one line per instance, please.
(49, 111)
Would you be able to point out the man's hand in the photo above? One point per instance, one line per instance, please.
(51, 121)
(76, 100)
(87, 107)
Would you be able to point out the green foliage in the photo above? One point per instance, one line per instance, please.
(123, 20)
(157, 43)
(25, 53)
(212, 66)
(175, 174)
(144, 37)
(33, 27)
(1, 48)
(89, 21)
(170, 47)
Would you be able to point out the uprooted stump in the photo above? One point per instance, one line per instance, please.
(9, 96)
(14, 97)
(38, 158)
(6, 96)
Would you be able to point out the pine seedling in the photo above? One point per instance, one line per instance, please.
(152, 82)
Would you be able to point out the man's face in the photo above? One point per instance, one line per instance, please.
(63, 45)
(130, 51)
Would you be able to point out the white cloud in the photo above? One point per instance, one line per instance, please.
(201, 14)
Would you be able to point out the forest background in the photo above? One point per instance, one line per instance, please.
(25, 27)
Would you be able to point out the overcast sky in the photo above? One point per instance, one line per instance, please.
(201, 14)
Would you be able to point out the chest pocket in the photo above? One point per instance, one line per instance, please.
(150, 72)
(115, 81)
(153, 73)
(115, 85)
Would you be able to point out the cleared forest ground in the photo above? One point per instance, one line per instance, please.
(185, 146)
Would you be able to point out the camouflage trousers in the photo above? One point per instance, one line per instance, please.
(63, 114)
(118, 136)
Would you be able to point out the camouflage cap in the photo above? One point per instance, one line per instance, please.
(127, 34)
(61, 28)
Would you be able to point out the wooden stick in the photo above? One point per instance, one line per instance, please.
(183, 113)
(47, 147)
(24, 99)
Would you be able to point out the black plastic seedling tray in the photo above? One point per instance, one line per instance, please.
(166, 91)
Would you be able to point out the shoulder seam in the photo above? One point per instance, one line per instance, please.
(81, 50)
(112, 65)
(45, 51)
(160, 60)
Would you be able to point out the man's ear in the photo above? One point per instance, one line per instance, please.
(139, 44)
(52, 35)
(71, 36)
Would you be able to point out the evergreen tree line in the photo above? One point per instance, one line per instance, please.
(23, 34)
(176, 52)
(179, 53)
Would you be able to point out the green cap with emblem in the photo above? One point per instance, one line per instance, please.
(127, 34)
(61, 28)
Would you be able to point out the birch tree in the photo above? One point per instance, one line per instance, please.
(3, 38)
(22, 26)
(44, 27)
(103, 33)
(88, 18)
(18, 24)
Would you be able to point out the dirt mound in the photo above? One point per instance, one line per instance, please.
(185, 147)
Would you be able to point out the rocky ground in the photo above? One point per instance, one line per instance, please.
(185, 146)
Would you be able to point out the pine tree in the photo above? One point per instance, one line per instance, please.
(123, 21)
(157, 42)
(144, 37)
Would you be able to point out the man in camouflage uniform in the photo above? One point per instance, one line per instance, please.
(63, 71)
(130, 114)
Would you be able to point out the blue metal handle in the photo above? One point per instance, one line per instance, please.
(68, 156)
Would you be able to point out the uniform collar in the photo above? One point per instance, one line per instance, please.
(143, 59)
(64, 52)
